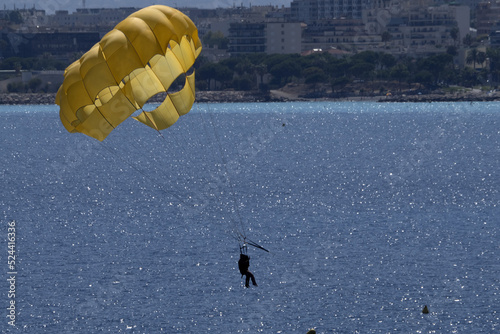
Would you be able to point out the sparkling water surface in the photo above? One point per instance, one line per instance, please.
(370, 212)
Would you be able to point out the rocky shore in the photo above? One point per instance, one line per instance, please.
(201, 96)
(279, 96)
(468, 97)
(27, 98)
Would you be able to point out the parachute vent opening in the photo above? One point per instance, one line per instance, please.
(178, 84)
(153, 102)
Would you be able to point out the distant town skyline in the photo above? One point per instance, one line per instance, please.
(50, 6)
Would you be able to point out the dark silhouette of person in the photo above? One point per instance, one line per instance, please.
(243, 264)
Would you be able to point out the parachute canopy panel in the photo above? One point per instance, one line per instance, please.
(140, 58)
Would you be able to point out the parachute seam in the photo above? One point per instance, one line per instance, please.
(158, 42)
(133, 47)
(93, 98)
(109, 68)
(187, 81)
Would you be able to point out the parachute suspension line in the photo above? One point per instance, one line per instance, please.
(247, 242)
(244, 242)
(240, 232)
(243, 249)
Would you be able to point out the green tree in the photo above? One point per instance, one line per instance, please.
(362, 70)
(454, 34)
(387, 60)
(468, 40)
(261, 70)
(481, 57)
(34, 83)
(468, 77)
(16, 87)
(206, 72)
(314, 76)
(475, 56)
(339, 82)
(424, 77)
(284, 71)
(320, 59)
(215, 72)
(494, 62)
(338, 67)
(243, 83)
(244, 66)
(223, 74)
(437, 65)
(370, 57)
(386, 37)
(276, 59)
(400, 73)
(452, 50)
(232, 62)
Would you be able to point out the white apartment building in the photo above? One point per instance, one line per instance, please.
(427, 30)
(283, 37)
(90, 17)
(265, 37)
(313, 10)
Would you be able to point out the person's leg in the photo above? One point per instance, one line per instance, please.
(252, 277)
(247, 280)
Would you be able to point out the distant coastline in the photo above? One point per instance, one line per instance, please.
(278, 96)
(201, 97)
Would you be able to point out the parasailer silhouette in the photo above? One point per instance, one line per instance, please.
(243, 264)
(244, 261)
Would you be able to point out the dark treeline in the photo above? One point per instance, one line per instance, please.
(41, 63)
(44, 62)
(323, 69)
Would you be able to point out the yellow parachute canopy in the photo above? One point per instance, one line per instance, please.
(140, 58)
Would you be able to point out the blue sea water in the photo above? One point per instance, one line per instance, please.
(370, 212)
